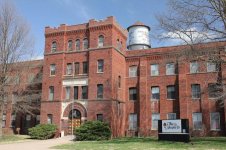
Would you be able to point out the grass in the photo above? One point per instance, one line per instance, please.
(216, 143)
(13, 138)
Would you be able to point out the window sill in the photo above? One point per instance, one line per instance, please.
(100, 72)
(52, 75)
(154, 129)
(197, 129)
(170, 99)
(212, 98)
(68, 75)
(155, 75)
(216, 130)
(154, 100)
(171, 74)
(196, 99)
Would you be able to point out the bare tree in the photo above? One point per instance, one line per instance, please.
(193, 22)
(15, 46)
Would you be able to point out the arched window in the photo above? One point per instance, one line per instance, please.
(74, 114)
(77, 44)
(69, 45)
(118, 44)
(85, 44)
(53, 46)
(101, 41)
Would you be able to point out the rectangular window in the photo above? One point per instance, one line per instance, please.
(133, 93)
(84, 92)
(49, 118)
(211, 67)
(3, 120)
(154, 70)
(170, 69)
(13, 120)
(99, 90)
(194, 67)
(68, 92)
(132, 121)
(51, 93)
(155, 93)
(75, 92)
(171, 116)
(215, 121)
(195, 91)
(197, 121)
(85, 67)
(171, 92)
(132, 71)
(76, 68)
(214, 90)
(69, 69)
(52, 69)
(100, 66)
(155, 118)
(100, 117)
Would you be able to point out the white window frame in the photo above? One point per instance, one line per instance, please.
(85, 43)
(100, 70)
(211, 127)
(133, 71)
(101, 41)
(77, 44)
(69, 45)
(51, 93)
(69, 71)
(49, 119)
(154, 119)
(133, 121)
(194, 65)
(154, 69)
(67, 92)
(192, 95)
(52, 69)
(153, 92)
(194, 120)
(53, 46)
(174, 116)
(211, 67)
(170, 68)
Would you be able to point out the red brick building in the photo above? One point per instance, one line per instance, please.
(88, 74)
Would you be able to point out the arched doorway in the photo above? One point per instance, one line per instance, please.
(74, 118)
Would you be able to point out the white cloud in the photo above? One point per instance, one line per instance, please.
(39, 57)
(191, 35)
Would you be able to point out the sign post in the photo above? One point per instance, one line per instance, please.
(174, 130)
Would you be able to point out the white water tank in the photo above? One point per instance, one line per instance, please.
(138, 36)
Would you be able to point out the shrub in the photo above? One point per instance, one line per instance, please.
(42, 131)
(93, 131)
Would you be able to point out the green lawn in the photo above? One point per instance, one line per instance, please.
(13, 138)
(147, 144)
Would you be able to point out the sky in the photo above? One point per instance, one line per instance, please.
(42, 13)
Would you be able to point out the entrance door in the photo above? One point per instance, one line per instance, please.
(74, 120)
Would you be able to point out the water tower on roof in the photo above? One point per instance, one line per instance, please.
(138, 36)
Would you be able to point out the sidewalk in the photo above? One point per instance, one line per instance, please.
(37, 144)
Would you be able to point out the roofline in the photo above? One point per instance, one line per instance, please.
(134, 25)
